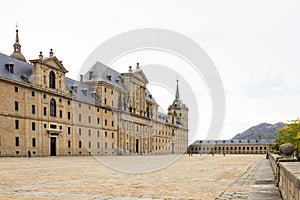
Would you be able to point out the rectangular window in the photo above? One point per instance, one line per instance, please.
(33, 126)
(98, 120)
(69, 115)
(98, 145)
(89, 119)
(69, 130)
(16, 89)
(112, 123)
(17, 124)
(79, 144)
(69, 143)
(33, 142)
(60, 113)
(79, 131)
(98, 134)
(105, 134)
(112, 145)
(90, 145)
(79, 117)
(104, 100)
(33, 109)
(33, 93)
(69, 102)
(16, 105)
(17, 141)
(112, 135)
(79, 105)
(105, 145)
(105, 122)
(45, 111)
(53, 126)
(90, 133)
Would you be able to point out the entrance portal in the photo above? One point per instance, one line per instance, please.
(52, 146)
(137, 145)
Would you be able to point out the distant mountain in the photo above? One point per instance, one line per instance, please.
(264, 130)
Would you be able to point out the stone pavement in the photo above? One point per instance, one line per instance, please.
(56, 178)
(256, 183)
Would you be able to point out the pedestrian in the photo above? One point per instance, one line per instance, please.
(212, 154)
(223, 153)
(29, 154)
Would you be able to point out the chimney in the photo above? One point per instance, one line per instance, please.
(41, 55)
(81, 77)
(130, 69)
(137, 66)
(90, 75)
(51, 53)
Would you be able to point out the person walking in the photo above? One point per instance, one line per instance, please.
(29, 154)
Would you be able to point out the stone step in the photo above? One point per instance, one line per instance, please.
(265, 192)
(264, 181)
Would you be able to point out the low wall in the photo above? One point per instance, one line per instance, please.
(287, 175)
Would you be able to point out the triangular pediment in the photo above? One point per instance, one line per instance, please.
(51, 62)
(141, 76)
(55, 63)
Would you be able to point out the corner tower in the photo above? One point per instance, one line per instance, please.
(178, 112)
(17, 48)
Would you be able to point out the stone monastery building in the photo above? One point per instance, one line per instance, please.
(105, 113)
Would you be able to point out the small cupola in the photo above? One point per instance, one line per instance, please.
(17, 48)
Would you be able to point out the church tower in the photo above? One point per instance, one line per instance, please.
(17, 49)
(178, 112)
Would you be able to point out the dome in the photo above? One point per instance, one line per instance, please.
(18, 55)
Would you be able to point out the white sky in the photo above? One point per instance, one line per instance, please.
(253, 44)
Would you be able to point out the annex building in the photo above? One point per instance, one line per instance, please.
(104, 113)
(259, 146)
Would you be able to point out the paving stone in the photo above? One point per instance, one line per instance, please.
(72, 178)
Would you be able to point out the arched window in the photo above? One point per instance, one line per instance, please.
(52, 80)
(53, 107)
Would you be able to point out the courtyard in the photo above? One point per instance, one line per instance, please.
(126, 177)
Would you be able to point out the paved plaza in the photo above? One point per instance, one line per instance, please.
(178, 177)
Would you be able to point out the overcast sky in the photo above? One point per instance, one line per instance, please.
(253, 44)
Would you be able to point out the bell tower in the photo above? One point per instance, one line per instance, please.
(17, 48)
(178, 112)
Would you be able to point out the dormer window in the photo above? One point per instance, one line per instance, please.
(84, 91)
(74, 88)
(93, 93)
(10, 67)
(52, 80)
(109, 77)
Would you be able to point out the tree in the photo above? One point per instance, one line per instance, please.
(289, 134)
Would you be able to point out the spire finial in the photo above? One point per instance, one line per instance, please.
(177, 90)
(17, 35)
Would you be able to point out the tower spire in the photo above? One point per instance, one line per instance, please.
(17, 48)
(177, 91)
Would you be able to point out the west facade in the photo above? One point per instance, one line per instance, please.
(104, 113)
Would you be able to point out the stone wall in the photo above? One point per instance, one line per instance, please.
(287, 176)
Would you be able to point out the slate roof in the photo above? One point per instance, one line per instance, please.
(20, 68)
(82, 91)
(101, 72)
(231, 142)
(149, 96)
(165, 119)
